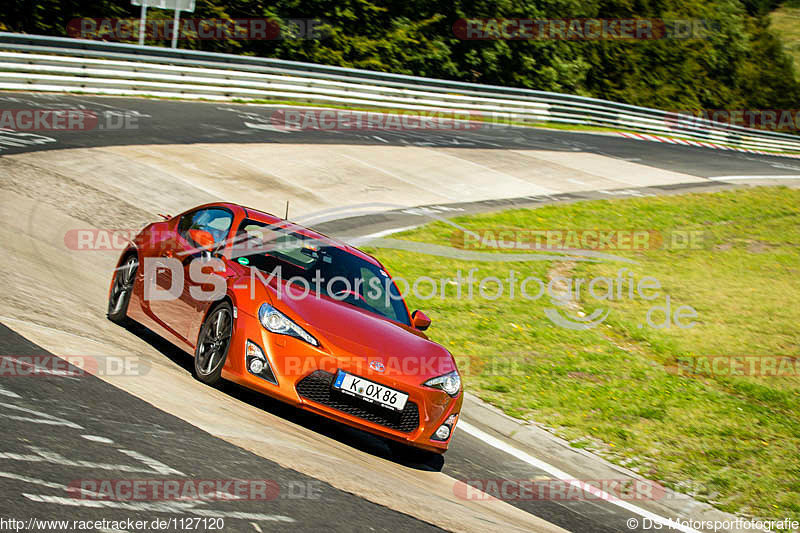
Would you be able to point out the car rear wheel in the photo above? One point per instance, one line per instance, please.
(121, 289)
(213, 343)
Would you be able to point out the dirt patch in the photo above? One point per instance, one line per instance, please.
(585, 376)
(759, 247)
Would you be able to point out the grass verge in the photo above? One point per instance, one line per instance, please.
(729, 440)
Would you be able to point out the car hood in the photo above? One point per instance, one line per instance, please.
(345, 330)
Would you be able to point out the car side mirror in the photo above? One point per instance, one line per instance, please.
(420, 320)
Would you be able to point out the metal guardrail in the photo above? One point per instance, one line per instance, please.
(33, 62)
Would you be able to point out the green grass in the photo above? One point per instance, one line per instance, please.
(730, 441)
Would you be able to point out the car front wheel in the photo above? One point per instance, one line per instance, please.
(213, 343)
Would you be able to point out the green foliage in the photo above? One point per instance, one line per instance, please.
(785, 22)
(741, 63)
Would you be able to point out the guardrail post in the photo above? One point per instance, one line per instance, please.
(176, 28)
(141, 22)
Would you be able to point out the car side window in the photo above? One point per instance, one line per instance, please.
(216, 221)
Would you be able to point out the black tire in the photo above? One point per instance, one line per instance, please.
(121, 289)
(213, 343)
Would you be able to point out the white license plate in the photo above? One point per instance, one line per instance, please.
(370, 391)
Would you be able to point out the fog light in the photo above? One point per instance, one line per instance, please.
(256, 365)
(442, 433)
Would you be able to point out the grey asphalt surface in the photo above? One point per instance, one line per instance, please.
(132, 121)
(101, 409)
(44, 448)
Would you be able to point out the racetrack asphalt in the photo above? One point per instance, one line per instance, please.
(77, 428)
(136, 121)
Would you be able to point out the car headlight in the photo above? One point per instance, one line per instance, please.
(450, 383)
(276, 322)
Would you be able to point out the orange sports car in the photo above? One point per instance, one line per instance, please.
(291, 313)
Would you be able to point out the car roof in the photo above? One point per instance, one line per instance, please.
(269, 218)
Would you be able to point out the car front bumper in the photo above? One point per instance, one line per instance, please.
(304, 375)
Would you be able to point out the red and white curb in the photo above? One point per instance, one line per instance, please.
(699, 144)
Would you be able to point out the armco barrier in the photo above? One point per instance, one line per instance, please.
(41, 63)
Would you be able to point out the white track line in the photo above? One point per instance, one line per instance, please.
(563, 476)
(364, 239)
(8, 393)
(729, 178)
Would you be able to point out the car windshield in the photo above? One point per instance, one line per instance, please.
(316, 266)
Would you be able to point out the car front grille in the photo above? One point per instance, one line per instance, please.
(317, 387)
